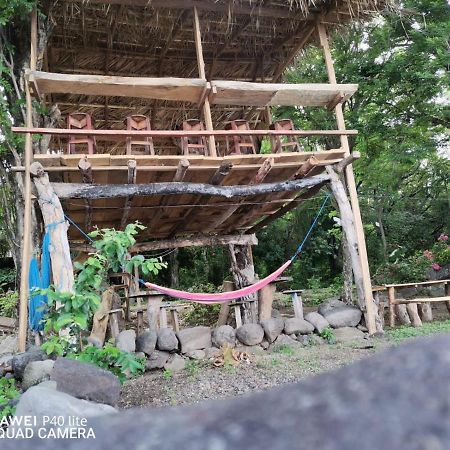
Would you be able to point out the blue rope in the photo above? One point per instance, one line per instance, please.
(79, 229)
(311, 228)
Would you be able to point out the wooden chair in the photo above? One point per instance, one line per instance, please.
(278, 145)
(80, 121)
(145, 145)
(241, 145)
(193, 145)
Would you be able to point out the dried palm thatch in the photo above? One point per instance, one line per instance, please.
(251, 40)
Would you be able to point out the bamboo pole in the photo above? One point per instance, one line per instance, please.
(26, 242)
(202, 75)
(351, 185)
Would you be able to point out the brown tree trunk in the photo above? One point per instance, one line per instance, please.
(174, 268)
(347, 273)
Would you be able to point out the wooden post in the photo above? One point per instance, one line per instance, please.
(391, 300)
(228, 286)
(55, 222)
(351, 185)
(26, 241)
(265, 301)
(447, 294)
(243, 272)
(202, 75)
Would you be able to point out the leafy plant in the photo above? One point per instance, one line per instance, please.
(122, 364)
(8, 304)
(56, 346)
(168, 374)
(8, 391)
(284, 349)
(192, 368)
(328, 335)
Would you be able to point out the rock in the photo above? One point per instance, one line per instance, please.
(36, 372)
(157, 360)
(295, 325)
(317, 321)
(196, 338)
(5, 360)
(338, 397)
(250, 334)
(316, 340)
(86, 381)
(283, 339)
(42, 400)
(196, 354)
(338, 314)
(347, 334)
(362, 328)
(329, 305)
(252, 349)
(224, 335)
(176, 363)
(20, 361)
(9, 345)
(167, 340)
(126, 341)
(275, 314)
(272, 328)
(265, 345)
(146, 342)
(304, 339)
(140, 355)
(212, 352)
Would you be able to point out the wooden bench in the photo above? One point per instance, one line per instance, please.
(392, 300)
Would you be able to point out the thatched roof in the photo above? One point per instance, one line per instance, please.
(251, 40)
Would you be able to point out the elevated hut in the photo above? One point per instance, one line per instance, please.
(158, 92)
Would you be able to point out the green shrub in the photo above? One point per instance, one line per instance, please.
(328, 335)
(8, 304)
(8, 391)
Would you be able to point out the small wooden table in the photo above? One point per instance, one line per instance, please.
(296, 295)
(392, 301)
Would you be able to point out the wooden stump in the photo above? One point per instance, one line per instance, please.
(228, 286)
(413, 314)
(266, 295)
(401, 314)
(153, 311)
(425, 312)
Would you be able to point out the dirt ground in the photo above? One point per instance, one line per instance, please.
(201, 381)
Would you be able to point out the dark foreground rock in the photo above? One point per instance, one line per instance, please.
(86, 381)
(21, 360)
(397, 399)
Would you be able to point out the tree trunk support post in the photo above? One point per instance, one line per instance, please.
(202, 75)
(243, 272)
(351, 185)
(28, 156)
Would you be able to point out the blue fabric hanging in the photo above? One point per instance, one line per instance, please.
(39, 279)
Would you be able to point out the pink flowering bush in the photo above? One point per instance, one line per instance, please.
(439, 255)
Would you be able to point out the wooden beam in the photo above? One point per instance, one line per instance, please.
(96, 191)
(263, 171)
(131, 179)
(286, 208)
(123, 134)
(182, 168)
(26, 239)
(202, 75)
(85, 168)
(193, 241)
(221, 173)
(351, 185)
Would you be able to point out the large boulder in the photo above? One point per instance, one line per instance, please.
(157, 360)
(146, 342)
(283, 340)
(272, 328)
(21, 360)
(167, 340)
(324, 412)
(8, 345)
(36, 372)
(224, 335)
(197, 338)
(126, 341)
(338, 314)
(86, 381)
(317, 321)
(42, 400)
(250, 334)
(347, 334)
(176, 363)
(197, 354)
(295, 325)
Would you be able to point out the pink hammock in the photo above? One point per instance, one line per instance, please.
(222, 296)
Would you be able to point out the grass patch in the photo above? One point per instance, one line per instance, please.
(192, 368)
(284, 349)
(407, 331)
